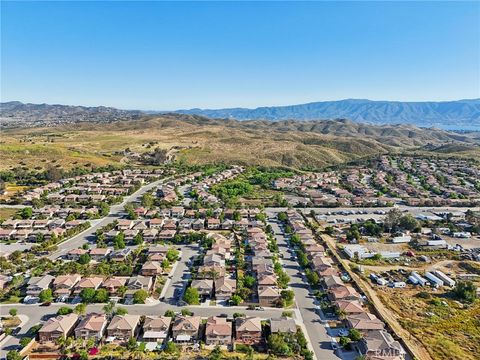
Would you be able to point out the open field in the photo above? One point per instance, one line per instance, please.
(6, 213)
(198, 140)
(447, 329)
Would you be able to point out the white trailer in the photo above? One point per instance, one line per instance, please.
(420, 279)
(382, 281)
(399, 284)
(438, 282)
(447, 280)
(413, 280)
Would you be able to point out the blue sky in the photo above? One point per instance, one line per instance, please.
(170, 55)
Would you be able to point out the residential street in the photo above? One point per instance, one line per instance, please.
(317, 333)
(116, 212)
(180, 275)
(37, 314)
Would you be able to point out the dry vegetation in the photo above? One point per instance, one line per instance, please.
(447, 329)
(287, 143)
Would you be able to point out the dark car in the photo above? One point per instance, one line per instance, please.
(46, 303)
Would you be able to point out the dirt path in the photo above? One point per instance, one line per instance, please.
(415, 346)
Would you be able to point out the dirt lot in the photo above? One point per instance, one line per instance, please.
(447, 329)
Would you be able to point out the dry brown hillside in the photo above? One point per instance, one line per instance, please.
(297, 144)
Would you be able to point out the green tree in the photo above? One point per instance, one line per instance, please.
(88, 295)
(109, 308)
(165, 264)
(354, 335)
(282, 216)
(466, 291)
(216, 353)
(278, 346)
(26, 213)
(138, 239)
(171, 348)
(14, 355)
(345, 342)
(236, 299)
(169, 313)
(13, 312)
(119, 241)
(140, 296)
(101, 296)
(25, 341)
(172, 254)
(45, 295)
(80, 309)
(186, 312)
(64, 310)
(191, 296)
(84, 259)
(121, 311)
(249, 281)
(392, 219)
(313, 277)
(287, 296)
(147, 200)
(408, 222)
(132, 344)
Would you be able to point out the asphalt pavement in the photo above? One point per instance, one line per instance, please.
(317, 333)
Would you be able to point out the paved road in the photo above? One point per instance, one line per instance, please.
(38, 314)
(320, 340)
(180, 275)
(370, 210)
(116, 212)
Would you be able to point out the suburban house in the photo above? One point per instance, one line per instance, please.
(114, 283)
(381, 345)
(60, 326)
(151, 268)
(343, 292)
(283, 325)
(248, 330)
(349, 306)
(268, 295)
(224, 288)
(64, 284)
(99, 254)
(185, 329)
(204, 286)
(93, 282)
(122, 328)
(37, 284)
(218, 331)
(364, 322)
(140, 283)
(266, 280)
(91, 326)
(155, 328)
(120, 255)
(75, 254)
(332, 281)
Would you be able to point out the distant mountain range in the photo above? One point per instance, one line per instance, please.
(450, 115)
(16, 113)
(453, 114)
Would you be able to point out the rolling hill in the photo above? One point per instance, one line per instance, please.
(199, 140)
